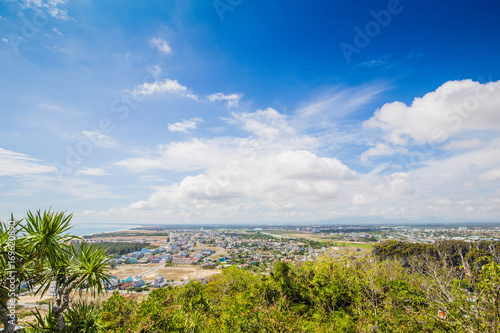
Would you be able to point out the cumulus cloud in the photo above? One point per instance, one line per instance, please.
(161, 45)
(161, 87)
(185, 126)
(16, 164)
(275, 173)
(231, 99)
(455, 107)
(296, 177)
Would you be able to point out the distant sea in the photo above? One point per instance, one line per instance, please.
(95, 228)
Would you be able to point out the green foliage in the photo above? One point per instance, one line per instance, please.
(80, 317)
(328, 295)
(43, 254)
(121, 248)
(48, 235)
(83, 317)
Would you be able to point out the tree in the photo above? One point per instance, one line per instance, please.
(43, 253)
(84, 268)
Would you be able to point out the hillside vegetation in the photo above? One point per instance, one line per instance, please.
(401, 288)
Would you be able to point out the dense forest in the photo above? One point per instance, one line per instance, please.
(119, 248)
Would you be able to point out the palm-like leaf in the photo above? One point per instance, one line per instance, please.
(48, 237)
(83, 317)
(47, 323)
(88, 268)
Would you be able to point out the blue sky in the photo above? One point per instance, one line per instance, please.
(250, 111)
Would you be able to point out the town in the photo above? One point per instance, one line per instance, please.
(174, 256)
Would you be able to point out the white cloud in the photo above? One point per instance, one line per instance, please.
(463, 144)
(161, 45)
(266, 173)
(57, 32)
(196, 154)
(5, 40)
(231, 99)
(92, 172)
(364, 199)
(444, 202)
(83, 189)
(297, 177)
(455, 107)
(380, 149)
(278, 174)
(53, 7)
(268, 123)
(165, 86)
(336, 103)
(16, 164)
(99, 140)
(185, 126)
(490, 175)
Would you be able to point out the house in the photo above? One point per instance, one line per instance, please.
(138, 282)
(208, 264)
(159, 282)
(113, 282)
(182, 261)
(166, 257)
(124, 285)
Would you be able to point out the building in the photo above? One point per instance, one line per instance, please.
(124, 285)
(138, 282)
(183, 261)
(159, 282)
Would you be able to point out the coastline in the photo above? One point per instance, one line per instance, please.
(89, 230)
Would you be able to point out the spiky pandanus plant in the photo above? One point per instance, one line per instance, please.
(81, 269)
(43, 254)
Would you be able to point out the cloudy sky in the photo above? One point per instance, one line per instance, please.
(243, 111)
